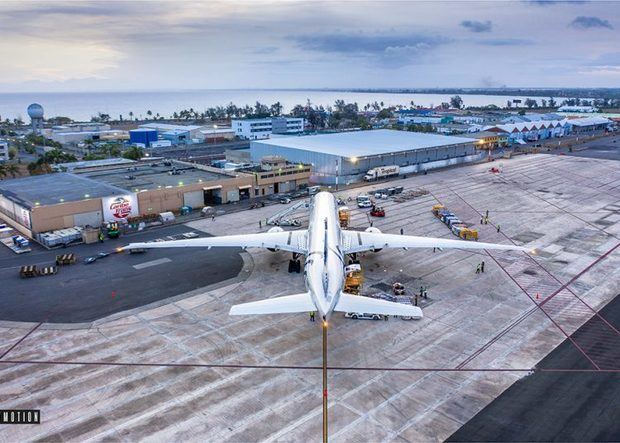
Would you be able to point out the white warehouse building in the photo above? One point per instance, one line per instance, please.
(261, 128)
(346, 157)
(4, 151)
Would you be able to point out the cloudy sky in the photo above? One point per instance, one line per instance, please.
(131, 45)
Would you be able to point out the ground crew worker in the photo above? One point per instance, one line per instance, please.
(482, 266)
(481, 220)
(401, 231)
(213, 217)
(478, 269)
(260, 224)
(487, 214)
(497, 228)
(425, 293)
(312, 316)
(101, 237)
(486, 220)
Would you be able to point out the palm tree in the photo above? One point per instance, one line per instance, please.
(130, 115)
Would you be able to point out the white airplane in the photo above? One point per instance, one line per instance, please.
(325, 246)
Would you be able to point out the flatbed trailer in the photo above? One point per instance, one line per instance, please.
(48, 270)
(28, 271)
(65, 259)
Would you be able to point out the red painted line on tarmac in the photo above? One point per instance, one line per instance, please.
(20, 340)
(288, 367)
(564, 286)
(545, 312)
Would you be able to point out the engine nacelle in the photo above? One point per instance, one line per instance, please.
(274, 229)
(374, 231)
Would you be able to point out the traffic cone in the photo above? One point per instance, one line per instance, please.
(537, 296)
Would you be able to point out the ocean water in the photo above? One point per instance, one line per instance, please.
(81, 106)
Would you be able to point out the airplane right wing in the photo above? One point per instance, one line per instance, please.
(367, 241)
(294, 241)
(359, 303)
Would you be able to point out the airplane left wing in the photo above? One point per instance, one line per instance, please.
(293, 241)
(354, 241)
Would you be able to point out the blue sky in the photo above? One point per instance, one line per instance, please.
(130, 45)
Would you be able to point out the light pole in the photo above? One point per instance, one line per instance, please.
(324, 381)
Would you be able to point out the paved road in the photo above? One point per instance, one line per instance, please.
(554, 406)
(83, 293)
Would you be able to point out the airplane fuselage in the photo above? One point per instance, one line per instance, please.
(324, 269)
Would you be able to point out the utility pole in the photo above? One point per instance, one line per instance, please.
(324, 381)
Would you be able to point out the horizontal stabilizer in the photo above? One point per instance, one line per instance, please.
(367, 305)
(279, 305)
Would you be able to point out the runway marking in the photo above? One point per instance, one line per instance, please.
(148, 264)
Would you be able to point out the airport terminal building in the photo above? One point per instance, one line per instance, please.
(345, 157)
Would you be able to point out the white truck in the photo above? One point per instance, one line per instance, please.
(381, 172)
(363, 201)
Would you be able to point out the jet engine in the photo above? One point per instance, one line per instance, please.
(274, 229)
(374, 231)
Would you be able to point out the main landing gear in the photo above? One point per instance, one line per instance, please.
(294, 265)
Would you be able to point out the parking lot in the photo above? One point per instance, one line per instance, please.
(186, 370)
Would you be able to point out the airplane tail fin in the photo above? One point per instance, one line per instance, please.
(279, 305)
(367, 305)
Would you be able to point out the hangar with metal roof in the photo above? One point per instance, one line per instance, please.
(345, 157)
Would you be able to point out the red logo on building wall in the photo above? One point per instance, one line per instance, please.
(120, 207)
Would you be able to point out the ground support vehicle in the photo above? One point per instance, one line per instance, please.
(353, 279)
(344, 217)
(377, 211)
(65, 259)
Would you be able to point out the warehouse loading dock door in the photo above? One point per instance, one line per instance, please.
(212, 196)
(194, 199)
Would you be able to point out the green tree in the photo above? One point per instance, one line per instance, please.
(385, 113)
(9, 169)
(552, 103)
(456, 102)
(530, 103)
(100, 118)
(134, 153)
(93, 156)
(59, 120)
(276, 109)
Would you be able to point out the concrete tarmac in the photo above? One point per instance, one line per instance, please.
(83, 293)
(187, 371)
(555, 406)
